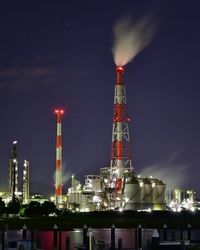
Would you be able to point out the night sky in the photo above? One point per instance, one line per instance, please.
(59, 55)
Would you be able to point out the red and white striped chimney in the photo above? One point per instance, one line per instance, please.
(58, 174)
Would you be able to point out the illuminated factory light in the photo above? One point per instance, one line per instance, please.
(141, 183)
(149, 210)
(52, 198)
(96, 198)
(126, 199)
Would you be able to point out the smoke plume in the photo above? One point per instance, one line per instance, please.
(173, 175)
(130, 38)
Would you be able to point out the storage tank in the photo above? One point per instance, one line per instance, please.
(160, 187)
(159, 195)
(132, 192)
(146, 192)
(154, 190)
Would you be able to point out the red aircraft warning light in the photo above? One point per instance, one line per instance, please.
(59, 111)
(120, 69)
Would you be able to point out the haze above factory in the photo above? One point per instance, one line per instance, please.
(59, 56)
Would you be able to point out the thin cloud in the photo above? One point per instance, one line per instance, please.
(18, 78)
(172, 173)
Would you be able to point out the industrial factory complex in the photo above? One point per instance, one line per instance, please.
(116, 187)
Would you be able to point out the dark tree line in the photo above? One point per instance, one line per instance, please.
(33, 209)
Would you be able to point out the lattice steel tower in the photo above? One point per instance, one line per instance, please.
(120, 152)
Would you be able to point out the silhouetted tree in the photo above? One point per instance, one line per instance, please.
(33, 209)
(48, 207)
(2, 206)
(13, 206)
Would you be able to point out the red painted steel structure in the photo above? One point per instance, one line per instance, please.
(120, 151)
(58, 175)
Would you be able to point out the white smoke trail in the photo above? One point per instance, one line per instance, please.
(172, 174)
(130, 38)
(66, 175)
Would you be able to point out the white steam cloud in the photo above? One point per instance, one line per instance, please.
(172, 174)
(66, 175)
(130, 38)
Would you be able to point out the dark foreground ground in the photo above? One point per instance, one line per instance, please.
(126, 219)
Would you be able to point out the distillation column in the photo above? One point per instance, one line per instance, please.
(13, 172)
(26, 182)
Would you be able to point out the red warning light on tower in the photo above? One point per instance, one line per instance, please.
(59, 111)
(120, 69)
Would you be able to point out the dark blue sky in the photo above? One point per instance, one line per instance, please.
(59, 55)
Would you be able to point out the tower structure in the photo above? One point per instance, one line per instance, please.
(13, 172)
(58, 174)
(120, 151)
(26, 182)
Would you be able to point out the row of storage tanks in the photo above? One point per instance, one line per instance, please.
(144, 194)
(139, 193)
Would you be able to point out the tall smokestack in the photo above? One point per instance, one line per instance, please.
(58, 175)
(120, 151)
